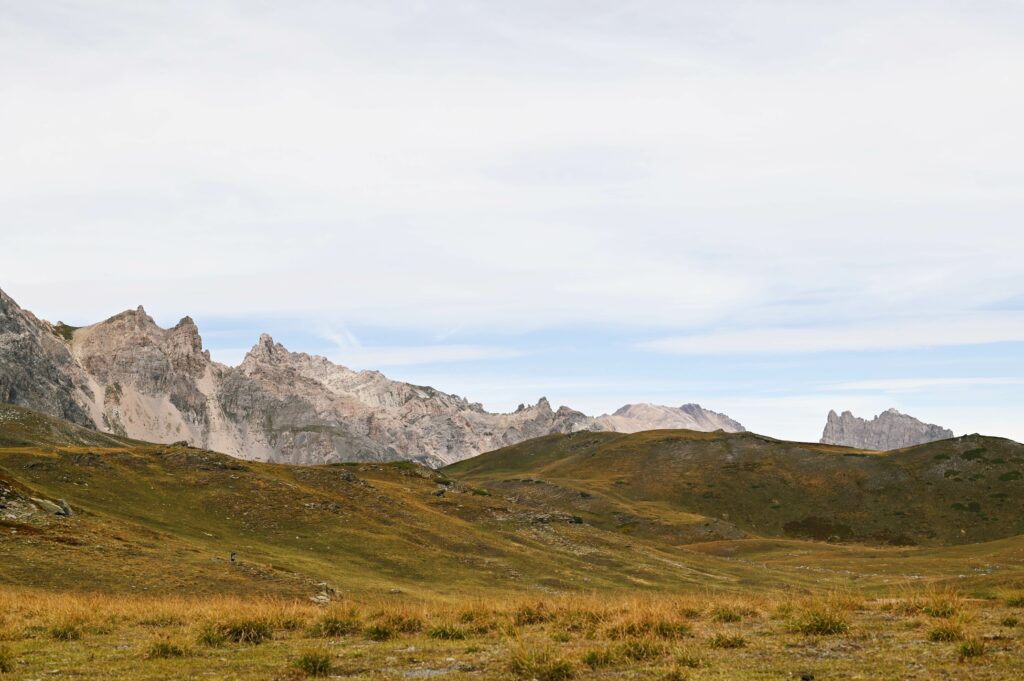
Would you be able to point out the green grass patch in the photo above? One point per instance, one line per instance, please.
(313, 664)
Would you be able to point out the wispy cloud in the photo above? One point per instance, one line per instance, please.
(372, 357)
(916, 384)
(969, 329)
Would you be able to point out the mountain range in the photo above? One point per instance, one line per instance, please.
(129, 377)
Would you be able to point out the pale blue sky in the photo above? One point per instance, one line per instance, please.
(771, 208)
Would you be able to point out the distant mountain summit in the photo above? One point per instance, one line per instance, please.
(129, 377)
(889, 430)
(634, 418)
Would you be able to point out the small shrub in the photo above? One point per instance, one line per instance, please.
(539, 664)
(480, 492)
(972, 648)
(532, 615)
(247, 631)
(726, 614)
(941, 608)
(596, 659)
(162, 621)
(675, 675)
(164, 650)
(689, 661)
(379, 632)
(824, 622)
(1015, 601)
(946, 632)
(447, 632)
(1010, 622)
(211, 636)
(404, 624)
(670, 630)
(66, 632)
(727, 641)
(314, 664)
(6, 660)
(641, 649)
(335, 626)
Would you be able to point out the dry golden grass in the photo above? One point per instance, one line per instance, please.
(510, 637)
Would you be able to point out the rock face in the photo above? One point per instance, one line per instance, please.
(633, 418)
(888, 430)
(36, 367)
(128, 376)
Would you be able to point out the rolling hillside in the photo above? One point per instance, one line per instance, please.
(962, 490)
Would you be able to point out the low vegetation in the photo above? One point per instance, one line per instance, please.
(506, 636)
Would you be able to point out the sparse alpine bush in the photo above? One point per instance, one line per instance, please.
(379, 632)
(447, 632)
(1015, 601)
(314, 664)
(640, 649)
(527, 615)
(540, 665)
(335, 626)
(1010, 622)
(246, 631)
(66, 632)
(724, 613)
(404, 624)
(971, 648)
(689, 660)
(823, 622)
(164, 650)
(211, 636)
(727, 641)
(947, 631)
(6, 660)
(595, 659)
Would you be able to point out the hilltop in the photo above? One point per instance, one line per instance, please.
(955, 491)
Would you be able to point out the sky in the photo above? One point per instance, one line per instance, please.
(772, 209)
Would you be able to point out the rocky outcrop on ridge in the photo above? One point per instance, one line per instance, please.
(888, 430)
(634, 418)
(130, 377)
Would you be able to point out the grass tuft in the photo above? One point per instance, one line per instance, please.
(971, 648)
(379, 632)
(6, 660)
(947, 631)
(821, 622)
(447, 632)
(329, 627)
(313, 664)
(603, 657)
(66, 632)
(727, 641)
(540, 665)
(164, 650)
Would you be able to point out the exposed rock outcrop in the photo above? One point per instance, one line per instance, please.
(36, 367)
(634, 418)
(888, 430)
(130, 377)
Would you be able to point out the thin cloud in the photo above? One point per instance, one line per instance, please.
(895, 335)
(896, 385)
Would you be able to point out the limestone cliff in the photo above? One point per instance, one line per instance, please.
(128, 376)
(888, 430)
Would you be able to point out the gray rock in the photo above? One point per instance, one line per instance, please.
(128, 376)
(888, 430)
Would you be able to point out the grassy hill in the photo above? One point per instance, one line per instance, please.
(658, 555)
(965, 490)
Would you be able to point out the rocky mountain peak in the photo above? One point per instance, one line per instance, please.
(632, 418)
(129, 376)
(889, 430)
